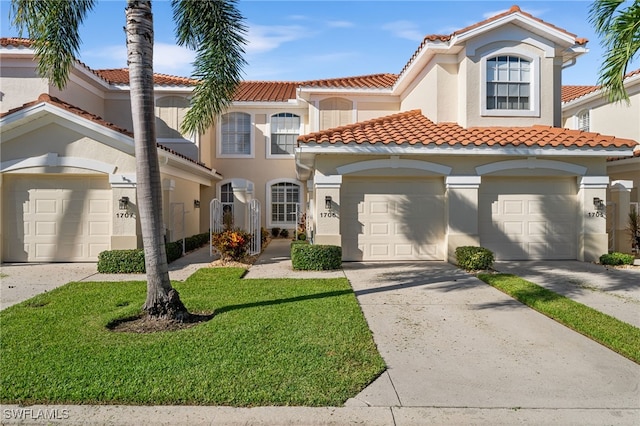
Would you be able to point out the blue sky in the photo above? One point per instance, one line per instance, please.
(304, 40)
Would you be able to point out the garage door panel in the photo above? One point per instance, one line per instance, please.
(56, 218)
(537, 224)
(392, 220)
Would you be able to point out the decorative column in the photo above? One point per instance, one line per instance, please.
(462, 213)
(327, 209)
(124, 235)
(593, 240)
(621, 198)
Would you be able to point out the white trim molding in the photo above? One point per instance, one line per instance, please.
(127, 180)
(471, 182)
(53, 159)
(394, 162)
(531, 163)
(593, 182)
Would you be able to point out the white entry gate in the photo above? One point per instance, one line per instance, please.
(255, 228)
(215, 220)
(216, 224)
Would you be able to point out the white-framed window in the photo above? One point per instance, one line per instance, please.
(510, 84)
(235, 135)
(285, 128)
(226, 198)
(284, 201)
(583, 120)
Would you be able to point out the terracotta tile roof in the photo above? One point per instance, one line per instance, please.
(264, 91)
(373, 81)
(413, 128)
(570, 93)
(94, 118)
(121, 76)
(15, 42)
(514, 9)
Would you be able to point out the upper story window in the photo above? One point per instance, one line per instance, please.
(583, 120)
(335, 112)
(236, 134)
(508, 83)
(285, 128)
(170, 112)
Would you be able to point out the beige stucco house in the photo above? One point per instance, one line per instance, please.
(463, 147)
(587, 108)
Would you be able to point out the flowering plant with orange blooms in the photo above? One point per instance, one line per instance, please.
(232, 244)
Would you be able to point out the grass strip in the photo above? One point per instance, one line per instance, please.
(617, 335)
(271, 342)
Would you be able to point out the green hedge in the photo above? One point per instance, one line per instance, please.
(616, 258)
(472, 258)
(314, 257)
(132, 261)
(121, 261)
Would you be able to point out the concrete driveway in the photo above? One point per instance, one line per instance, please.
(451, 341)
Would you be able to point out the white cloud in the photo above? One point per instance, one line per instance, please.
(167, 58)
(340, 24)
(261, 38)
(404, 29)
(172, 59)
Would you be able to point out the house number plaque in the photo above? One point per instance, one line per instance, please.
(595, 214)
(125, 215)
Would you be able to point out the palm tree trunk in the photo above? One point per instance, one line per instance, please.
(163, 302)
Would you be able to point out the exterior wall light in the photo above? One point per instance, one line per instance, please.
(123, 203)
(598, 203)
(196, 204)
(327, 202)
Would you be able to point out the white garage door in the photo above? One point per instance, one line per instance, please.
(528, 218)
(392, 219)
(56, 219)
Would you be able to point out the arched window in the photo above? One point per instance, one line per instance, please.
(508, 83)
(335, 112)
(236, 134)
(285, 128)
(284, 202)
(226, 198)
(584, 120)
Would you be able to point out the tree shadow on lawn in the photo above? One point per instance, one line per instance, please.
(143, 324)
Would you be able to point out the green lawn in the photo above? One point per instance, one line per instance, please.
(611, 332)
(271, 342)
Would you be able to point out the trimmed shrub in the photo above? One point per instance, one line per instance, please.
(231, 244)
(275, 232)
(302, 237)
(284, 233)
(196, 241)
(472, 258)
(132, 261)
(315, 257)
(264, 235)
(616, 258)
(121, 262)
(174, 251)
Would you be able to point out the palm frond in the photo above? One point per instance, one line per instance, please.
(620, 32)
(53, 27)
(215, 29)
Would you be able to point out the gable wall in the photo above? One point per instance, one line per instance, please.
(20, 84)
